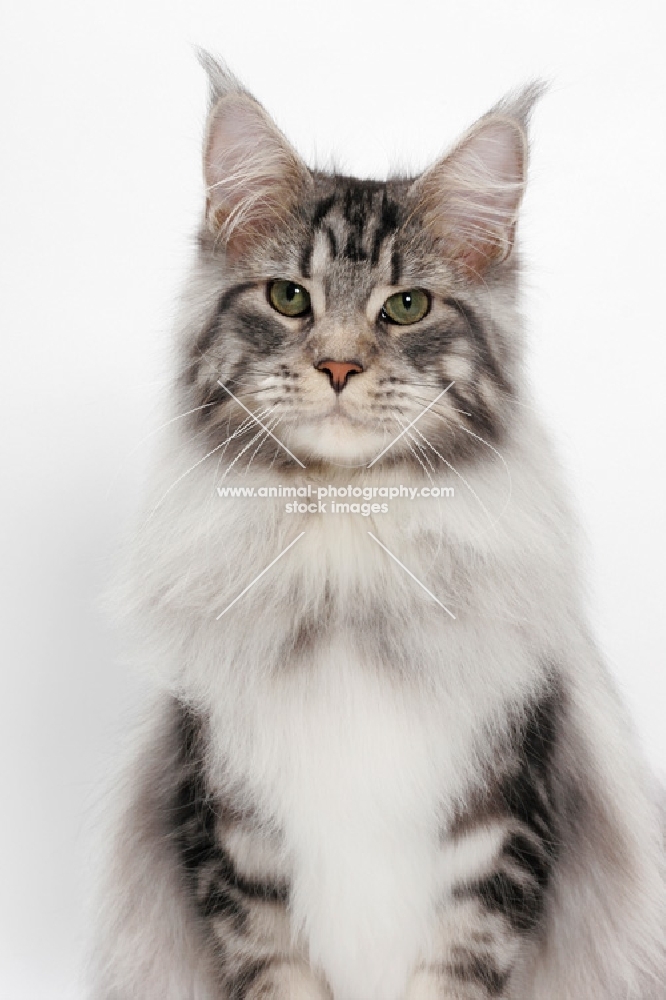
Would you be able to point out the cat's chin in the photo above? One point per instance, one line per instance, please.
(338, 441)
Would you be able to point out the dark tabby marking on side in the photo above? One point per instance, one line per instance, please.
(517, 889)
(217, 888)
(477, 970)
(241, 983)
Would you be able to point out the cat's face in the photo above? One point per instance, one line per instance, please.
(343, 308)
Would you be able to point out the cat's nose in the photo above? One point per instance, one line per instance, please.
(339, 371)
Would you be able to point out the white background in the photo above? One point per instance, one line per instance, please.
(102, 112)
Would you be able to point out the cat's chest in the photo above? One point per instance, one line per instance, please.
(338, 734)
(359, 773)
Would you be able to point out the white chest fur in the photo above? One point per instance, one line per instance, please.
(358, 772)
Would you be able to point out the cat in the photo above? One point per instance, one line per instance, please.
(384, 760)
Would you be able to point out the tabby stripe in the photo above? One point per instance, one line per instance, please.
(219, 902)
(525, 794)
(396, 267)
(388, 224)
(481, 415)
(332, 242)
(305, 265)
(526, 855)
(517, 890)
(478, 970)
(238, 987)
(202, 856)
(357, 203)
(321, 210)
(254, 888)
(522, 905)
(475, 327)
(207, 336)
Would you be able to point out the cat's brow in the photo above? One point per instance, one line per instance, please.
(354, 222)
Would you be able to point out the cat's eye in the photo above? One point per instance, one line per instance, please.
(288, 298)
(406, 308)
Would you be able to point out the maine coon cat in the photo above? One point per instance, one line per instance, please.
(351, 788)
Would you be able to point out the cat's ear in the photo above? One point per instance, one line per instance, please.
(470, 198)
(254, 178)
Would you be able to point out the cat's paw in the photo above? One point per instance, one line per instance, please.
(287, 982)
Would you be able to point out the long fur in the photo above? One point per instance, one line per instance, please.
(350, 735)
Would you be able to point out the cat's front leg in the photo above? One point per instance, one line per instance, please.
(486, 928)
(498, 862)
(235, 875)
(475, 960)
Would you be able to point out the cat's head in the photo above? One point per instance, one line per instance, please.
(338, 309)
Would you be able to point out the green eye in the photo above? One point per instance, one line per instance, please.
(288, 298)
(406, 308)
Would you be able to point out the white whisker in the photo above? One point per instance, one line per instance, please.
(260, 433)
(413, 451)
(460, 476)
(239, 430)
(417, 417)
(282, 445)
(271, 425)
(502, 460)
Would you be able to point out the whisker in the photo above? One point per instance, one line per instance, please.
(180, 478)
(440, 535)
(271, 425)
(416, 456)
(492, 448)
(414, 453)
(423, 452)
(146, 437)
(173, 420)
(502, 460)
(446, 415)
(460, 476)
(249, 444)
(506, 397)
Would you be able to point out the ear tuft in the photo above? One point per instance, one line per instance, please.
(470, 199)
(518, 105)
(220, 78)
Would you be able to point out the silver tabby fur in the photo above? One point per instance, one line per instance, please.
(342, 792)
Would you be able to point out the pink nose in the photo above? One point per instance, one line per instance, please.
(339, 371)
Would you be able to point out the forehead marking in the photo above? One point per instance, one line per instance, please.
(321, 210)
(321, 252)
(357, 222)
(396, 266)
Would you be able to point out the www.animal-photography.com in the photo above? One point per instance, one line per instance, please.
(334, 471)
